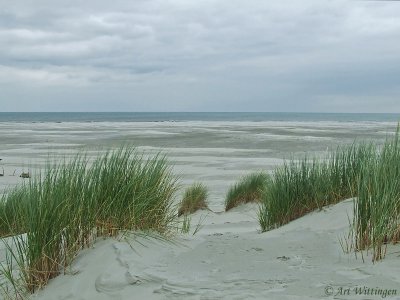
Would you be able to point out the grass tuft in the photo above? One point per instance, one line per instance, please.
(377, 210)
(54, 215)
(299, 187)
(366, 172)
(249, 189)
(195, 198)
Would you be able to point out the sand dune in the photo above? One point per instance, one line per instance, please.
(230, 259)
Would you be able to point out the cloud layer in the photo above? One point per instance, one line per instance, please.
(207, 55)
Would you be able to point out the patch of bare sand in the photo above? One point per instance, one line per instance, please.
(230, 259)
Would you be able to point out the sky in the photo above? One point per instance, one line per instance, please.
(200, 55)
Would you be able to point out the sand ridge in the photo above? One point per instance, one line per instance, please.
(230, 259)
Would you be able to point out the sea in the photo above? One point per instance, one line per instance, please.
(193, 116)
(214, 148)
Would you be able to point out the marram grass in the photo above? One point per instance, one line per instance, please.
(377, 210)
(249, 189)
(299, 187)
(59, 212)
(133, 192)
(195, 198)
(368, 172)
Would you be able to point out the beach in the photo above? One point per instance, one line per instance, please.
(228, 258)
(214, 152)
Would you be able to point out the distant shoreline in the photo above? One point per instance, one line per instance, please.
(59, 117)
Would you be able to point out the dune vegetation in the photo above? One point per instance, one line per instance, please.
(62, 210)
(301, 186)
(377, 209)
(367, 172)
(249, 188)
(195, 198)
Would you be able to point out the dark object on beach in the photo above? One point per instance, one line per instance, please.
(2, 174)
(283, 258)
(25, 175)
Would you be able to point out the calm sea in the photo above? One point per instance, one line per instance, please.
(191, 116)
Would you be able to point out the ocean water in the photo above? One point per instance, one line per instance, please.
(192, 116)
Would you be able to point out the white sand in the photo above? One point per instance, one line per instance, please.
(229, 259)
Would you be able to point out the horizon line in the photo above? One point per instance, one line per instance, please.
(227, 112)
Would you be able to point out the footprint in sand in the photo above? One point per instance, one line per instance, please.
(354, 274)
(110, 283)
(71, 296)
(297, 262)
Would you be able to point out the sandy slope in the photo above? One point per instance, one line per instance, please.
(230, 259)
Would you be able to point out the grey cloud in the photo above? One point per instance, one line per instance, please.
(200, 55)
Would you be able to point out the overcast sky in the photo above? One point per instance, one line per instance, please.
(200, 55)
